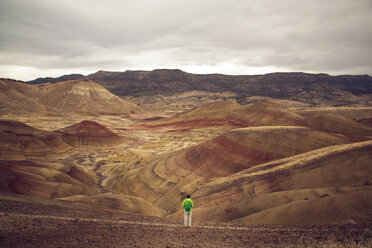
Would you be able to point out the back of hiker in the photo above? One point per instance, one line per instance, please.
(187, 204)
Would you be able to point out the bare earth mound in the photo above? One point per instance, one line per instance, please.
(337, 124)
(231, 115)
(270, 113)
(84, 97)
(332, 182)
(246, 147)
(19, 141)
(72, 96)
(17, 97)
(89, 133)
(366, 121)
(47, 180)
(215, 114)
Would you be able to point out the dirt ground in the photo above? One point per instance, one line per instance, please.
(49, 223)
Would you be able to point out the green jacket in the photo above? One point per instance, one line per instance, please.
(185, 202)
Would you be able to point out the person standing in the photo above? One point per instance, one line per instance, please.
(187, 204)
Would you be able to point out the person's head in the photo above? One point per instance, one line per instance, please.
(188, 196)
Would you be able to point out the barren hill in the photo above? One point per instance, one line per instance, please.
(337, 124)
(245, 147)
(19, 141)
(162, 179)
(266, 113)
(270, 113)
(217, 109)
(17, 97)
(84, 96)
(72, 96)
(231, 114)
(89, 133)
(328, 185)
(47, 180)
(366, 121)
(215, 114)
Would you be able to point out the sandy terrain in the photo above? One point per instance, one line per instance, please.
(261, 175)
(47, 223)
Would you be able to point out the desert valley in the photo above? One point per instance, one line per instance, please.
(105, 160)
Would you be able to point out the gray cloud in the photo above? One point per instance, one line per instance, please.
(48, 37)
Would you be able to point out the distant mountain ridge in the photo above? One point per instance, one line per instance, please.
(54, 80)
(305, 87)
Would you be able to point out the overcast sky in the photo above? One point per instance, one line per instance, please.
(40, 38)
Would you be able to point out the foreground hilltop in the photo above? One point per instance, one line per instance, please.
(327, 185)
(50, 223)
(308, 88)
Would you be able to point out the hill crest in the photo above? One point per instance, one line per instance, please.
(19, 141)
(89, 133)
(84, 96)
(80, 96)
(229, 114)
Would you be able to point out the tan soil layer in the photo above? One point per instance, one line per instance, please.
(49, 223)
